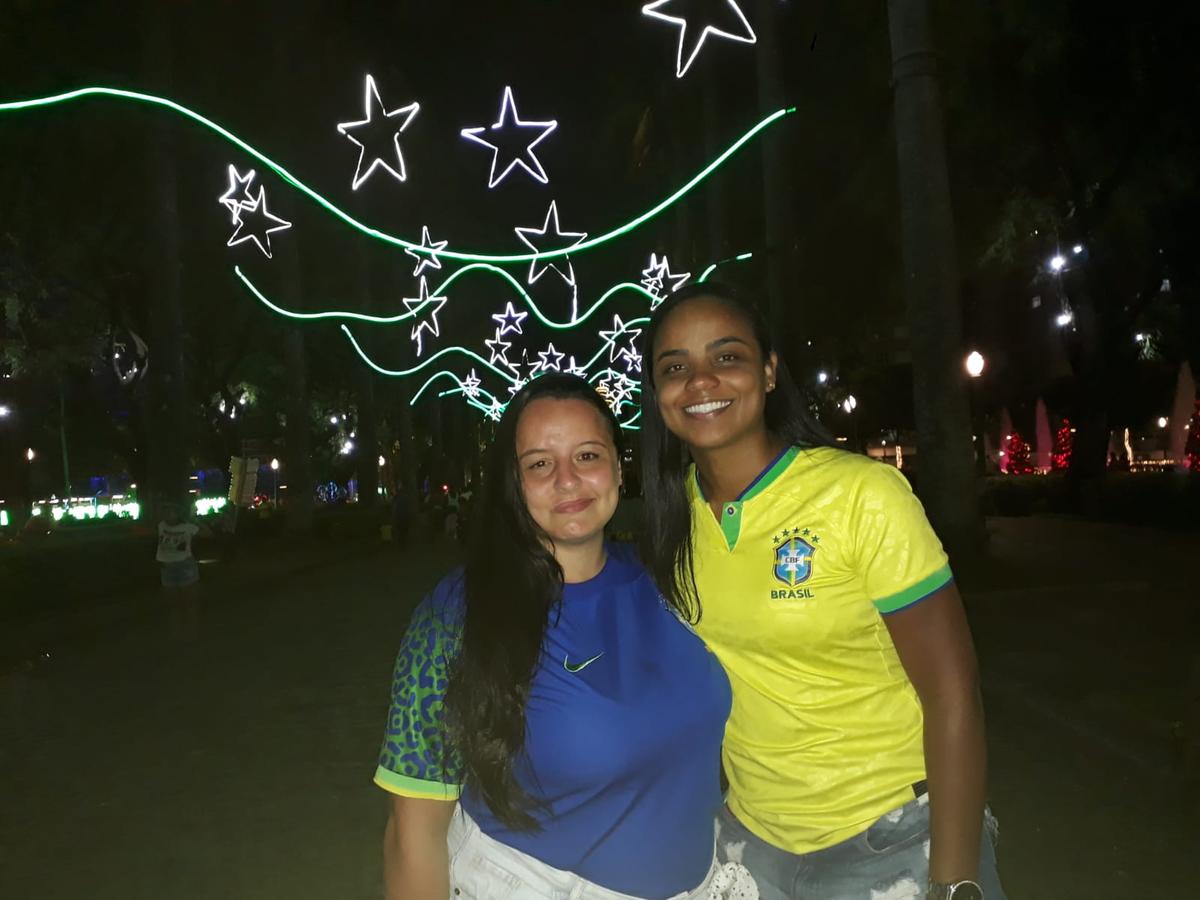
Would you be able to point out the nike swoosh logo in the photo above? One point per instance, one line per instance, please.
(583, 665)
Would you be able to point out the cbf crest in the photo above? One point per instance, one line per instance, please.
(794, 549)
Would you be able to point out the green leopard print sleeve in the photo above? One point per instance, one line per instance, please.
(415, 760)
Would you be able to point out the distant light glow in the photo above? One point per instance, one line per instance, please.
(274, 465)
(4, 412)
(1064, 319)
(1162, 421)
(29, 454)
(1057, 263)
(822, 377)
(347, 448)
(382, 462)
(850, 404)
(1077, 249)
(975, 363)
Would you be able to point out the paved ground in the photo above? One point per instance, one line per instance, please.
(140, 762)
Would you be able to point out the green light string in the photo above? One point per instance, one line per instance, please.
(741, 257)
(401, 373)
(18, 105)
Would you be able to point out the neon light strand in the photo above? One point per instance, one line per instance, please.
(510, 119)
(462, 256)
(440, 290)
(401, 373)
(370, 129)
(741, 257)
(746, 36)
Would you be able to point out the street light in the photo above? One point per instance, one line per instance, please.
(1058, 262)
(822, 377)
(975, 363)
(850, 404)
(1077, 249)
(1064, 319)
(275, 483)
(29, 454)
(4, 412)
(1162, 421)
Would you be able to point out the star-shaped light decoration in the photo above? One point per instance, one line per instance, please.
(499, 349)
(238, 195)
(549, 360)
(618, 330)
(510, 320)
(501, 132)
(573, 368)
(526, 370)
(632, 359)
(495, 411)
(470, 385)
(378, 135)
(427, 260)
(256, 223)
(516, 386)
(429, 308)
(691, 19)
(545, 240)
(659, 280)
(620, 388)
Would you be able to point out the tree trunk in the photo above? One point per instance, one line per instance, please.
(298, 504)
(948, 485)
(168, 395)
(778, 216)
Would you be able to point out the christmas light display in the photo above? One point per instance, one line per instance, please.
(550, 360)
(427, 258)
(509, 320)
(1019, 462)
(610, 338)
(378, 124)
(256, 223)
(538, 267)
(509, 119)
(661, 9)
(427, 308)
(238, 194)
(660, 281)
(448, 253)
(1060, 457)
(499, 348)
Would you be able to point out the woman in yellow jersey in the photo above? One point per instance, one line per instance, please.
(855, 748)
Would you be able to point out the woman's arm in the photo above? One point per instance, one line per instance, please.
(416, 863)
(934, 643)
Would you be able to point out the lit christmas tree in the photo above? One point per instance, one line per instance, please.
(1019, 462)
(1191, 451)
(1060, 459)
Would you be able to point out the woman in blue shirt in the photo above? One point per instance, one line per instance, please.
(554, 729)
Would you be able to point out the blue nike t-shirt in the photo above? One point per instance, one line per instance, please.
(625, 718)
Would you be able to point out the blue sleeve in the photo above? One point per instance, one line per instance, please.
(416, 759)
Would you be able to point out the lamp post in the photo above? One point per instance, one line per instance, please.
(975, 364)
(275, 483)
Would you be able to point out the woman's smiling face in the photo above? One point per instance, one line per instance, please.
(710, 375)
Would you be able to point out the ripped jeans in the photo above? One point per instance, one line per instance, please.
(888, 861)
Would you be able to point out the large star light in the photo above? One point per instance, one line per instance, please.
(499, 348)
(550, 360)
(618, 330)
(659, 280)
(500, 135)
(378, 135)
(427, 260)
(429, 308)
(256, 223)
(238, 195)
(510, 320)
(542, 240)
(692, 18)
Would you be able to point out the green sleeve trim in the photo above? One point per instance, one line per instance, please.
(415, 787)
(916, 593)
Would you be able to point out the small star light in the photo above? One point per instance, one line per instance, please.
(659, 280)
(495, 411)
(470, 385)
(378, 135)
(238, 195)
(427, 260)
(573, 368)
(610, 337)
(510, 320)
(550, 359)
(695, 21)
(548, 241)
(499, 349)
(432, 306)
(508, 120)
(254, 223)
(526, 370)
(621, 388)
(632, 359)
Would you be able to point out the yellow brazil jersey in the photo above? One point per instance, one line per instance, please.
(795, 577)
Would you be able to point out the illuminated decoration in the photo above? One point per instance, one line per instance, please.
(379, 131)
(254, 223)
(431, 306)
(537, 268)
(3, 518)
(610, 338)
(238, 195)
(495, 411)
(741, 257)
(130, 358)
(660, 281)
(427, 259)
(1191, 449)
(508, 120)
(550, 360)
(745, 35)
(510, 320)
(1018, 456)
(974, 363)
(1060, 457)
(470, 385)
(632, 359)
(572, 369)
(459, 255)
(499, 349)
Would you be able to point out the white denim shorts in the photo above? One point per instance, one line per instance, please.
(482, 868)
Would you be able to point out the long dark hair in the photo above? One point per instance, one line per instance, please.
(667, 534)
(512, 584)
